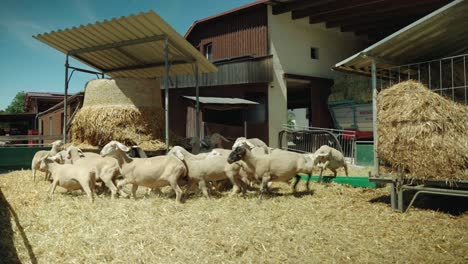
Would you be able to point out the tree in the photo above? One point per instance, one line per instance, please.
(17, 105)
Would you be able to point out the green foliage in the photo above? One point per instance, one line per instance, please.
(291, 117)
(17, 105)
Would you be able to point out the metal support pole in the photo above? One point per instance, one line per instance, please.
(166, 88)
(374, 115)
(197, 101)
(65, 102)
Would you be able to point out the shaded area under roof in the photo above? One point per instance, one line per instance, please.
(442, 33)
(131, 46)
(222, 100)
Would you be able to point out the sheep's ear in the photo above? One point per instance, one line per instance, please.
(80, 152)
(179, 154)
(68, 153)
(250, 145)
(123, 147)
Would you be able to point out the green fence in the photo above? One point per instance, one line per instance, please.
(14, 158)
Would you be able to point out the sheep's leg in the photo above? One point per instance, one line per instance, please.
(108, 182)
(308, 181)
(52, 188)
(296, 182)
(334, 172)
(345, 166)
(34, 175)
(134, 189)
(202, 186)
(119, 189)
(320, 175)
(177, 190)
(235, 185)
(86, 187)
(264, 188)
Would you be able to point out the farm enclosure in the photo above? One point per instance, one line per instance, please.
(335, 224)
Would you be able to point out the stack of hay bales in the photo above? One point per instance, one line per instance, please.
(125, 109)
(424, 132)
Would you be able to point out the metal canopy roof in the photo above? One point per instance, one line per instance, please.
(131, 46)
(222, 100)
(442, 33)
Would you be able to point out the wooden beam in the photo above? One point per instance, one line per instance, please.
(145, 66)
(358, 19)
(295, 5)
(375, 8)
(333, 7)
(381, 24)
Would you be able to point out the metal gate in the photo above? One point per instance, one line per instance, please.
(309, 139)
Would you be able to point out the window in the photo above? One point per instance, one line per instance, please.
(209, 51)
(314, 53)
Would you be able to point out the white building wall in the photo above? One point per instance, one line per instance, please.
(290, 42)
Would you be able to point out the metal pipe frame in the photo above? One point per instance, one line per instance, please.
(374, 115)
(197, 95)
(166, 89)
(423, 189)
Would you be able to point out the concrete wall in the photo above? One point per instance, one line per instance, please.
(290, 42)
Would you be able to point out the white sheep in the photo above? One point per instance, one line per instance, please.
(70, 177)
(35, 163)
(211, 166)
(256, 145)
(152, 172)
(215, 140)
(330, 158)
(280, 165)
(107, 168)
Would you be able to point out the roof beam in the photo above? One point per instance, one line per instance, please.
(117, 44)
(295, 5)
(382, 25)
(378, 16)
(370, 8)
(333, 7)
(146, 66)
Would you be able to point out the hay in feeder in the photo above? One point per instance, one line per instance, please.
(424, 132)
(123, 109)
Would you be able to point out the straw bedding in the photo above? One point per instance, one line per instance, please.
(336, 224)
(424, 132)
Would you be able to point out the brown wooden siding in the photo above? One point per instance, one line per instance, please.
(252, 70)
(236, 35)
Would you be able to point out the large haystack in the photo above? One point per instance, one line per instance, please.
(424, 132)
(125, 109)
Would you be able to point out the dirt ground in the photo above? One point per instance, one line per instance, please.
(333, 224)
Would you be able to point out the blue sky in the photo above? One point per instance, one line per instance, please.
(31, 66)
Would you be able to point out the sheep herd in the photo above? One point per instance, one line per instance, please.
(250, 161)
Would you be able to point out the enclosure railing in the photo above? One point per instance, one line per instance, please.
(27, 140)
(446, 76)
(309, 139)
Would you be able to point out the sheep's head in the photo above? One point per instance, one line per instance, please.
(57, 145)
(45, 161)
(242, 142)
(113, 147)
(236, 155)
(74, 151)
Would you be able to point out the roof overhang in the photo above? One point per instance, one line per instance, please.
(222, 103)
(131, 46)
(442, 33)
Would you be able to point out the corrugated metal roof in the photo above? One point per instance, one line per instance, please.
(131, 46)
(221, 100)
(442, 33)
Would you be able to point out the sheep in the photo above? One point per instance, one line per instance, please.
(215, 140)
(256, 145)
(35, 163)
(107, 168)
(70, 177)
(208, 167)
(149, 172)
(280, 165)
(330, 158)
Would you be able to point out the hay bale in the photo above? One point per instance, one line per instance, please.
(423, 131)
(125, 109)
